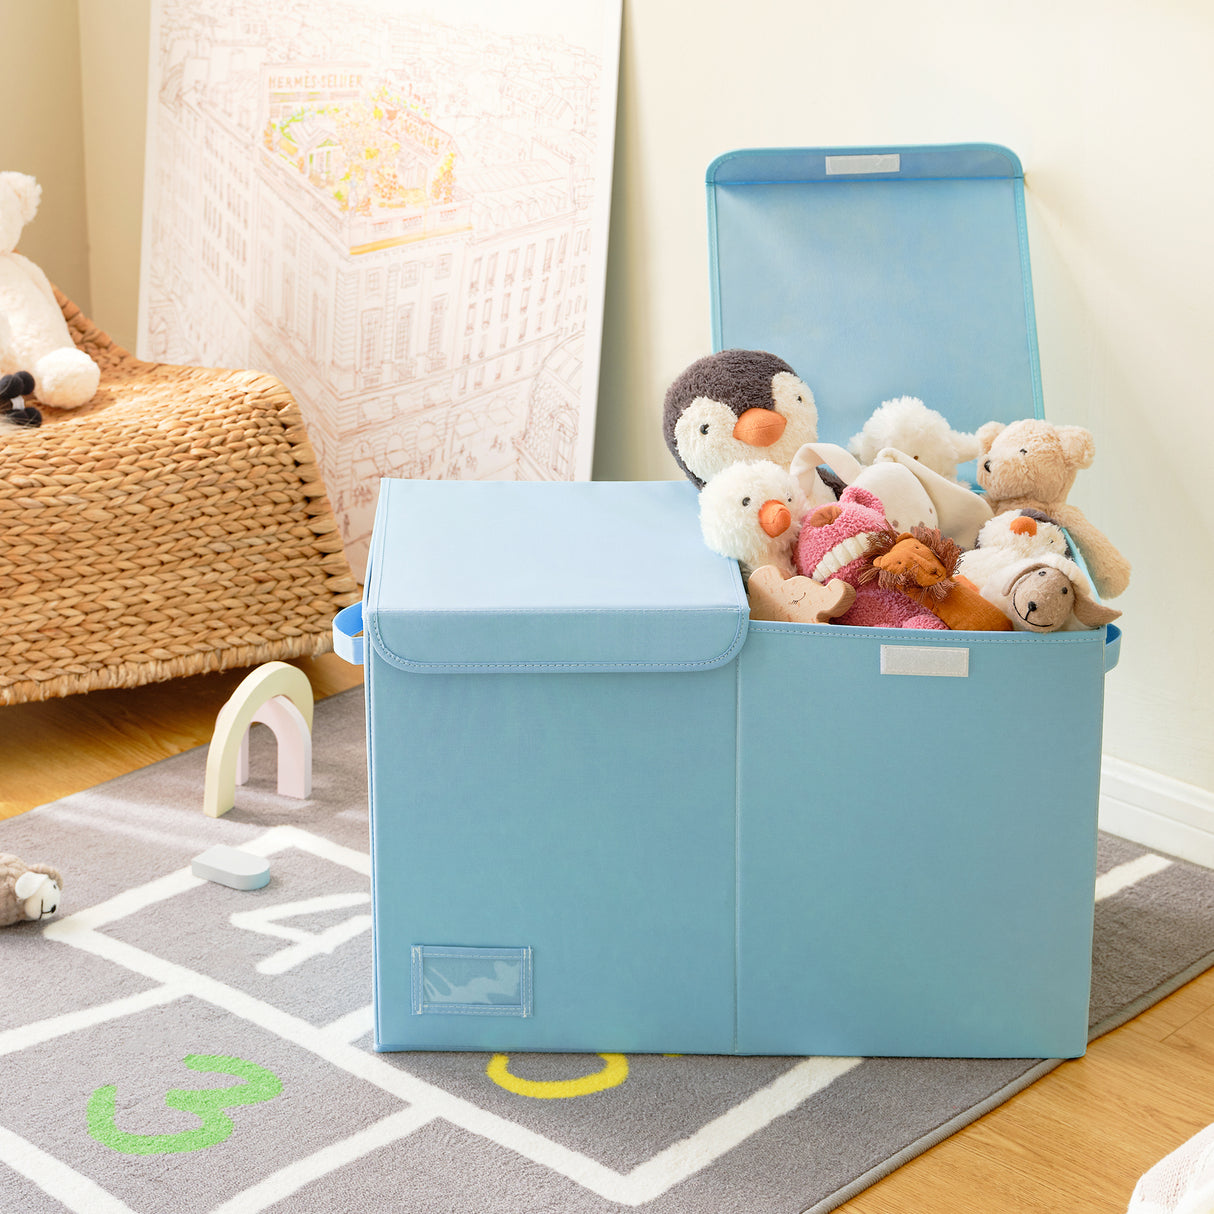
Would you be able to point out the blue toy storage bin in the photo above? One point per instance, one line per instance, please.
(611, 813)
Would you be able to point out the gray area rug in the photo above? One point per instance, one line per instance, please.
(172, 1045)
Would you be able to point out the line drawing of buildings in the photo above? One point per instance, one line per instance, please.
(402, 217)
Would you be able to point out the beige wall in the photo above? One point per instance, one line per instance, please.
(42, 134)
(1107, 104)
(113, 60)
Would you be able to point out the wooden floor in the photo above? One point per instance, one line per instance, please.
(1073, 1143)
(53, 748)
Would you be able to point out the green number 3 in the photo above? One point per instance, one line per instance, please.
(205, 1103)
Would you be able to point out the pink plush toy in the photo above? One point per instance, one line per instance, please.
(834, 543)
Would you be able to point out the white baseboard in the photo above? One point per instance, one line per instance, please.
(1157, 811)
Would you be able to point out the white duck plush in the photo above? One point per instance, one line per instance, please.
(1014, 535)
(752, 513)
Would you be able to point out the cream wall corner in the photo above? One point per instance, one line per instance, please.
(42, 134)
(113, 62)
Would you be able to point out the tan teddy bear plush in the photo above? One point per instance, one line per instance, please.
(1032, 464)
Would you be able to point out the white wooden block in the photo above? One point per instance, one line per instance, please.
(294, 746)
(232, 867)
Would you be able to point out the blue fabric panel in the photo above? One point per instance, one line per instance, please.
(503, 576)
(876, 286)
(748, 166)
(588, 818)
(916, 858)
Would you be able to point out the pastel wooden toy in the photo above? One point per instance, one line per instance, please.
(796, 600)
(280, 696)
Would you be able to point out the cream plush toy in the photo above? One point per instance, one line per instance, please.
(27, 891)
(911, 493)
(909, 426)
(1031, 464)
(33, 334)
(1010, 537)
(752, 512)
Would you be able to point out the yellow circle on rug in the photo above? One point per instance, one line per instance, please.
(613, 1072)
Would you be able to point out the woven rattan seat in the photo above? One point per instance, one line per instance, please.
(176, 524)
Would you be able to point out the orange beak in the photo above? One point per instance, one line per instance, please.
(759, 427)
(775, 518)
(1023, 526)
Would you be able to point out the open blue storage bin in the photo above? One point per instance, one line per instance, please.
(611, 813)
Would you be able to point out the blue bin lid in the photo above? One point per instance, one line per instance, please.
(877, 273)
(506, 576)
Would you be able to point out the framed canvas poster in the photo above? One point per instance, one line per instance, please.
(400, 211)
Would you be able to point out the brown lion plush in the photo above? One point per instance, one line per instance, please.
(921, 563)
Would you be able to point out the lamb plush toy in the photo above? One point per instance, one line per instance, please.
(1047, 593)
(27, 891)
(33, 334)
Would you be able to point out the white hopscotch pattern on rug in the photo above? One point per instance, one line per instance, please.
(425, 1102)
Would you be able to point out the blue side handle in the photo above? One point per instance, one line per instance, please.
(348, 634)
(1112, 647)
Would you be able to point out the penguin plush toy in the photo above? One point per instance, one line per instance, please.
(737, 406)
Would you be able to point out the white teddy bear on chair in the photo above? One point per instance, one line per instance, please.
(33, 334)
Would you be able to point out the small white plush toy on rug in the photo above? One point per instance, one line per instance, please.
(33, 334)
(27, 891)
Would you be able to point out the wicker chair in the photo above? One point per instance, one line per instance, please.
(176, 524)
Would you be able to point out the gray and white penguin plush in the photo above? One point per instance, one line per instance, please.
(737, 406)
(27, 891)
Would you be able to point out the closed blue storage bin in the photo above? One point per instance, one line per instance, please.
(551, 694)
(610, 813)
